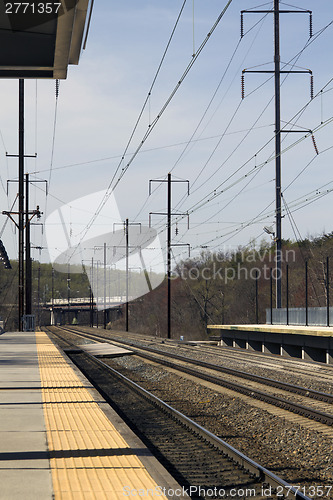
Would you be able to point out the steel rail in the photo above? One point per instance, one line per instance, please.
(295, 389)
(263, 474)
(321, 396)
(322, 417)
(305, 411)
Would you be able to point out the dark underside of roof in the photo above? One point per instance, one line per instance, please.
(35, 45)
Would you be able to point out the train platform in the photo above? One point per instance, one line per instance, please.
(318, 331)
(58, 438)
(311, 343)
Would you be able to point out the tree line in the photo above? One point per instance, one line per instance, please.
(221, 287)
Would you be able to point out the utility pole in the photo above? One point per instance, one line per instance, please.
(277, 73)
(104, 317)
(68, 293)
(169, 181)
(277, 84)
(29, 215)
(52, 299)
(38, 294)
(28, 281)
(20, 213)
(92, 294)
(127, 284)
(169, 255)
(127, 247)
(21, 206)
(97, 295)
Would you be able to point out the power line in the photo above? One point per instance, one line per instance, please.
(151, 126)
(295, 58)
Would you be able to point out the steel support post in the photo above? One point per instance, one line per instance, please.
(271, 295)
(169, 242)
(92, 293)
(127, 284)
(287, 292)
(278, 235)
(257, 305)
(21, 207)
(169, 254)
(28, 274)
(306, 295)
(68, 294)
(327, 291)
(104, 317)
(277, 77)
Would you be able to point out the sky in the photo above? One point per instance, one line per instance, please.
(204, 133)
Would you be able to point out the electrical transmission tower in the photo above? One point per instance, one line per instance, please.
(277, 74)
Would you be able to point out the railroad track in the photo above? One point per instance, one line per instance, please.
(311, 404)
(269, 361)
(205, 465)
(303, 367)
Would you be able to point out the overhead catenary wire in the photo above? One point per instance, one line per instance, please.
(256, 219)
(262, 216)
(57, 84)
(148, 150)
(328, 121)
(113, 183)
(214, 193)
(7, 218)
(313, 39)
(298, 240)
(5, 149)
(192, 140)
(50, 170)
(295, 58)
(225, 132)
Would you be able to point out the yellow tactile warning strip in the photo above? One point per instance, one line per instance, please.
(89, 458)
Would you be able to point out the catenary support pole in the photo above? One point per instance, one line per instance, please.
(52, 299)
(287, 292)
(257, 305)
(278, 131)
(277, 73)
(127, 284)
(68, 294)
(92, 293)
(28, 274)
(271, 295)
(104, 316)
(328, 291)
(169, 254)
(306, 295)
(169, 214)
(21, 207)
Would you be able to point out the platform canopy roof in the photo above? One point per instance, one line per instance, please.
(40, 38)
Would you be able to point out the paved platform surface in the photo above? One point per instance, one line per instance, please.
(58, 438)
(319, 331)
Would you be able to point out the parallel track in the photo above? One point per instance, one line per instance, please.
(265, 360)
(306, 411)
(195, 456)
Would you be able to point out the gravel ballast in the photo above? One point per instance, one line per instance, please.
(294, 453)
